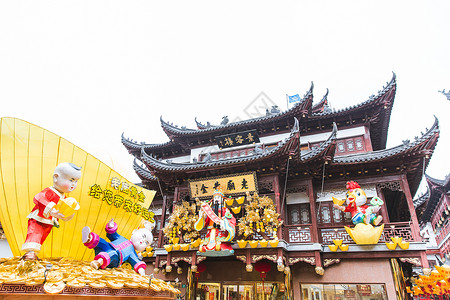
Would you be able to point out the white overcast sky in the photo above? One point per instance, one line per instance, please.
(90, 70)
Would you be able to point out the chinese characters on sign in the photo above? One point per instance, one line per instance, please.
(237, 139)
(236, 184)
(123, 195)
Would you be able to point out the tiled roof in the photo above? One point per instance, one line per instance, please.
(319, 107)
(422, 143)
(296, 110)
(286, 147)
(143, 172)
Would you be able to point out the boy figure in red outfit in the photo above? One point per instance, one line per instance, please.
(44, 215)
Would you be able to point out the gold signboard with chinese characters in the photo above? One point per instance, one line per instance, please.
(237, 139)
(231, 185)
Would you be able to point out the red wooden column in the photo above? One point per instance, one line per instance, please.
(383, 210)
(312, 207)
(412, 211)
(276, 191)
(163, 221)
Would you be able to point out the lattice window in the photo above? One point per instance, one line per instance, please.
(359, 144)
(350, 145)
(341, 147)
(299, 214)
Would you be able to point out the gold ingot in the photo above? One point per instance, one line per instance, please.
(149, 249)
(242, 243)
(396, 239)
(168, 247)
(338, 201)
(176, 247)
(263, 243)
(184, 247)
(274, 243)
(67, 206)
(391, 245)
(175, 240)
(365, 234)
(115, 284)
(337, 242)
(333, 247)
(229, 202)
(236, 210)
(54, 287)
(253, 244)
(196, 243)
(240, 200)
(404, 245)
(343, 247)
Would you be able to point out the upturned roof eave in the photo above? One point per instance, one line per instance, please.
(379, 155)
(297, 110)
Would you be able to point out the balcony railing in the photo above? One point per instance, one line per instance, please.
(298, 234)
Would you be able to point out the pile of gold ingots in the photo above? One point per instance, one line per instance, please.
(57, 273)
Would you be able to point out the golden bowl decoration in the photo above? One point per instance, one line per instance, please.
(242, 243)
(229, 202)
(391, 245)
(343, 247)
(176, 247)
(263, 243)
(253, 244)
(240, 200)
(236, 210)
(365, 234)
(333, 247)
(337, 242)
(184, 247)
(175, 240)
(274, 243)
(404, 245)
(168, 247)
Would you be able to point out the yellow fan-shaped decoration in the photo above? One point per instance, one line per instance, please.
(333, 247)
(253, 244)
(343, 247)
(184, 247)
(28, 157)
(236, 210)
(176, 247)
(168, 247)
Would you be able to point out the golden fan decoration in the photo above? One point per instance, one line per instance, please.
(28, 157)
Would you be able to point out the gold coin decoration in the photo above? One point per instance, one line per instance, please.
(57, 273)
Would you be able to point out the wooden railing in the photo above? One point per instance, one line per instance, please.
(301, 234)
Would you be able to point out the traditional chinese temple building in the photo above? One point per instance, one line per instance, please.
(433, 210)
(299, 158)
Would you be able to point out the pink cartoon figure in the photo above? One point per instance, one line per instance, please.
(118, 250)
(356, 204)
(45, 214)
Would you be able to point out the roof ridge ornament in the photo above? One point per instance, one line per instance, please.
(446, 94)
